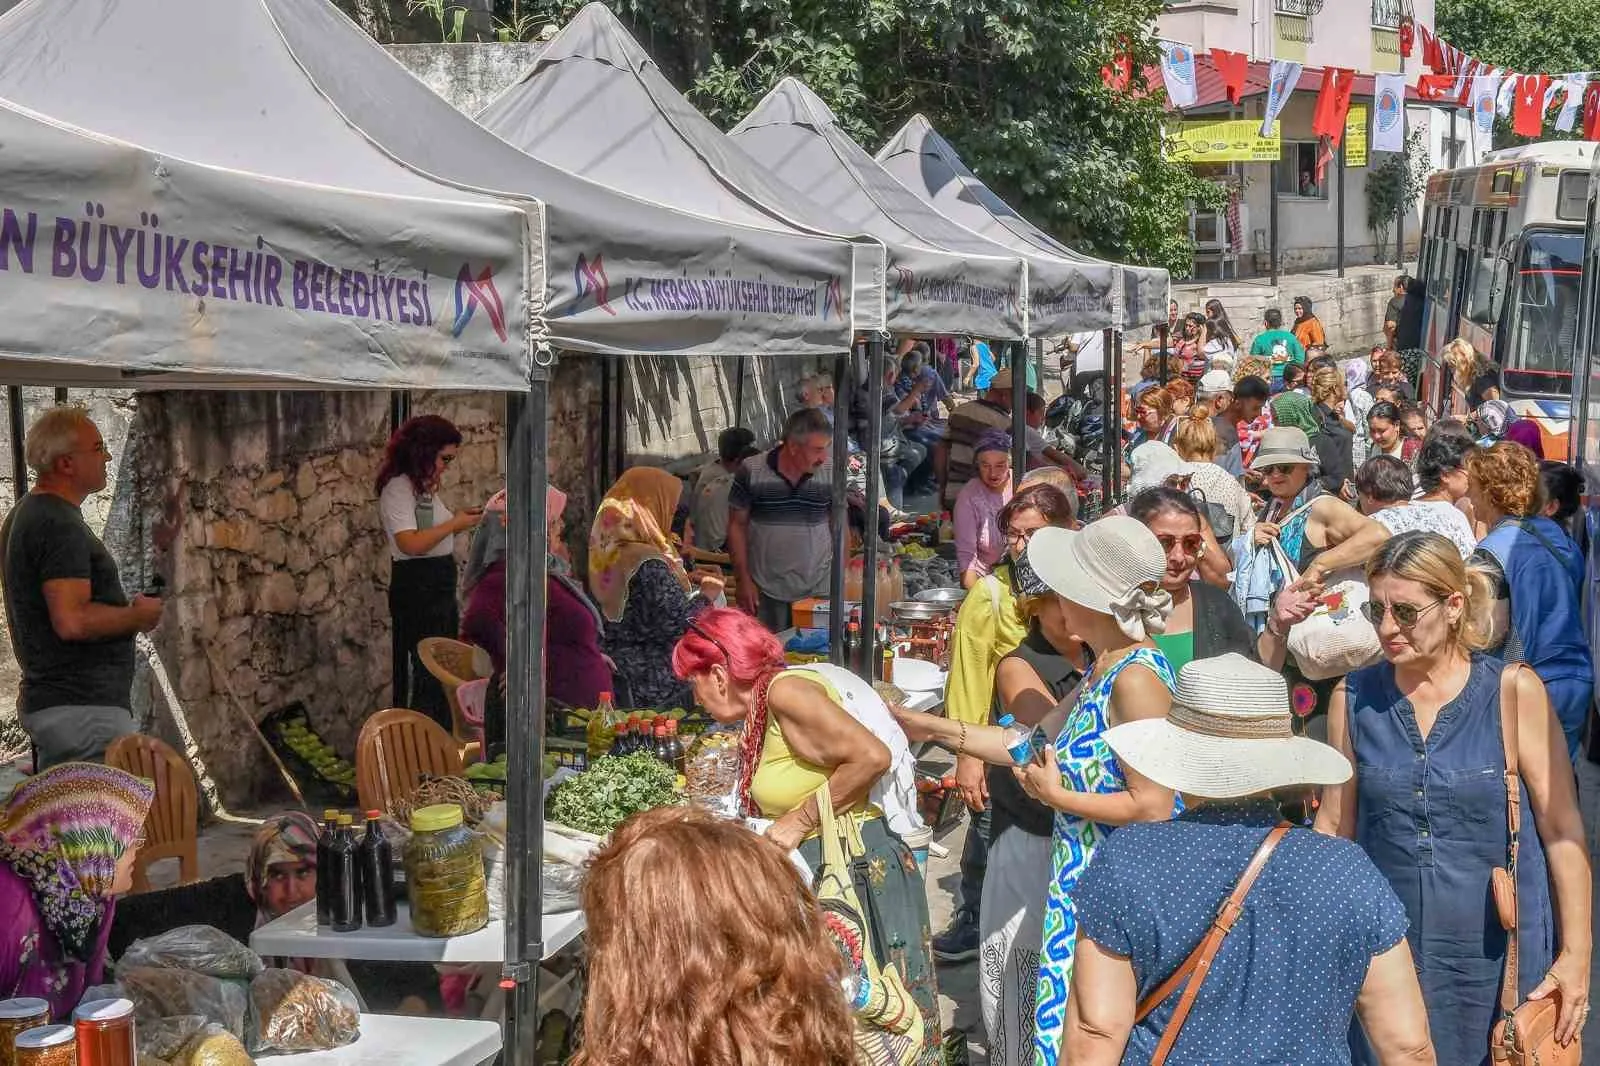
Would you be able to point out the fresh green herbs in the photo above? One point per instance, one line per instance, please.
(614, 787)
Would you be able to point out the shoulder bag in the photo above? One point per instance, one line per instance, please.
(888, 1024)
(1336, 638)
(1195, 968)
(1525, 1033)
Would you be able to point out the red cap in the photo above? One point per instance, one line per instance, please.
(374, 814)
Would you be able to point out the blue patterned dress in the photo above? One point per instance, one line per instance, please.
(1087, 765)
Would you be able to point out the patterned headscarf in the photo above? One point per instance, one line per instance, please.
(290, 837)
(1294, 409)
(629, 530)
(63, 831)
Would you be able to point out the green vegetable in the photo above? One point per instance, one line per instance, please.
(612, 789)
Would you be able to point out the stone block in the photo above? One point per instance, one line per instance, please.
(274, 547)
(235, 535)
(193, 681)
(330, 537)
(279, 505)
(195, 614)
(298, 556)
(319, 504)
(305, 480)
(273, 479)
(354, 464)
(318, 584)
(276, 594)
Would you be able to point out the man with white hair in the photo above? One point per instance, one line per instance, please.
(72, 626)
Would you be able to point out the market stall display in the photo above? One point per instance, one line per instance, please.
(614, 787)
(295, 935)
(445, 879)
(393, 1039)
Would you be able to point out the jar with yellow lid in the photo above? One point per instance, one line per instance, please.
(445, 881)
(16, 1016)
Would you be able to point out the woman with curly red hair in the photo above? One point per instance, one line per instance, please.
(707, 949)
(421, 533)
(799, 736)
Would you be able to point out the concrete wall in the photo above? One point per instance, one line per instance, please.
(468, 75)
(1351, 308)
(1340, 33)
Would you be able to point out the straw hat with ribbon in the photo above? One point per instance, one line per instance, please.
(1114, 566)
(1228, 735)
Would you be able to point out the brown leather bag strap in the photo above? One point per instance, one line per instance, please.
(1509, 999)
(1199, 961)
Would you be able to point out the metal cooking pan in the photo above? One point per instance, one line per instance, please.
(949, 599)
(914, 611)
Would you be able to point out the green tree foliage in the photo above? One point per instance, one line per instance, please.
(1014, 84)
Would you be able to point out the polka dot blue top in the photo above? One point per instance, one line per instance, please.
(1283, 987)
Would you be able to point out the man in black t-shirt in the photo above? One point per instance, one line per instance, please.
(72, 626)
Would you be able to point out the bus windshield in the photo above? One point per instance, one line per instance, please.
(1542, 315)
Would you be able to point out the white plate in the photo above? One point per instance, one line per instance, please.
(917, 675)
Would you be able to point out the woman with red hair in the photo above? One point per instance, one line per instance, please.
(797, 737)
(421, 532)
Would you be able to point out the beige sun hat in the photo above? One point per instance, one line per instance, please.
(1284, 445)
(1113, 565)
(1152, 463)
(1228, 735)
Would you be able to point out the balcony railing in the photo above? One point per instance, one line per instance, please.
(1388, 14)
(1303, 8)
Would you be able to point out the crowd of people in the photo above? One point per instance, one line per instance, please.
(1285, 706)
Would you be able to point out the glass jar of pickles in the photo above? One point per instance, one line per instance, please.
(16, 1016)
(445, 881)
(46, 1045)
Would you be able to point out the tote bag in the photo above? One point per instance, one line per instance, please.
(1337, 638)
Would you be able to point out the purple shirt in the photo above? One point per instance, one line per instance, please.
(30, 958)
(577, 671)
(979, 542)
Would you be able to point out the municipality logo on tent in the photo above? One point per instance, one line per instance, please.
(832, 300)
(589, 279)
(471, 292)
(1388, 110)
(1180, 63)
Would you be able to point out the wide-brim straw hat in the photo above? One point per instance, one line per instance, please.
(1284, 444)
(1101, 565)
(1228, 735)
(1152, 463)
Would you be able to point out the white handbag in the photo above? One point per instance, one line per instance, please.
(1336, 638)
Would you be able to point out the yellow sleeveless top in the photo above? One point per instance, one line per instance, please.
(782, 779)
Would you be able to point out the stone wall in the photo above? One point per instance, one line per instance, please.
(676, 405)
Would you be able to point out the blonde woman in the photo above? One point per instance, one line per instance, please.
(1335, 439)
(1195, 437)
(1428, 802)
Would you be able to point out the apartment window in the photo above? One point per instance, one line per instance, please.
(1453, 152)
(1388, 14)
(1297, 172)
(1303, 8)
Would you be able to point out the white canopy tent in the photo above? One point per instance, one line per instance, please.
(928, 165)
(293, 89)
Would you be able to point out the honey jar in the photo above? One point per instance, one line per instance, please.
(105, 1033)
(16, 1016)
(46, 1045)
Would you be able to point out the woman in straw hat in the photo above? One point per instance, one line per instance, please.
(1106, 586)
(1320, 936)
(1428, 799)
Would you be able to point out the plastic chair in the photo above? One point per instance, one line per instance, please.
(453, 662)
(395, 749)
(171, 828)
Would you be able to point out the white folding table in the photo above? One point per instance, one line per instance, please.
(393, 1039)
(296, 935)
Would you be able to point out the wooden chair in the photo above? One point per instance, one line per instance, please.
(171, 828)
(395, 749)
(452, 662)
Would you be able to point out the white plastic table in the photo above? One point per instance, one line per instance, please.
(296, 935)
(391, 1039)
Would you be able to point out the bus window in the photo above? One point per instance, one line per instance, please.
(1572, 196)
(1542, 315)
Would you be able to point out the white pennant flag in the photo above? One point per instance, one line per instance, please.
(1177, 70)
(1485, 91)
(1389, 113)
(1508, 94)
(1575, 84)
(1285, 75)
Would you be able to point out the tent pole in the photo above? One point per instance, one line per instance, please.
(527, 476)
(62, 397)
(738, 391)
(619, 427)
(1038, 352)
(1019, 411)
(1165, 333)
(399, 408)
(843, 366)
(1340, 216)
(1111, 423)
(869, 537)
(19, 457)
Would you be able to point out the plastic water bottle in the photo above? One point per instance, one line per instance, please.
(1019, 740)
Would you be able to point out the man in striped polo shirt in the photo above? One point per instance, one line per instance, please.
(780, 513)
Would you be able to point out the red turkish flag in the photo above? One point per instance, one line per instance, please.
(1118, 74)
(1408, 36)
(1436, 86)
(1233, 66)
(1333, 103)
(1591, 112)
(1432, 54)
(1527, 113)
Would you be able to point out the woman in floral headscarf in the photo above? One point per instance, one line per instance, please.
(68, 838)
(638, 580)
(280, 874)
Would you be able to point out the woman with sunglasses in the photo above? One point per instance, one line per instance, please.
(1538, 573)
(1428, 799)
(799, 735)
(421, 532)
(1204, 621)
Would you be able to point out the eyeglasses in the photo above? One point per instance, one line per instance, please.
(1016, 536)
(699, 631)
(1405, 614)
(1283, 469)
(1193, 543)
(447, 459)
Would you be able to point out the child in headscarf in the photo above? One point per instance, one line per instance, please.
(280, 874)
(68, 838)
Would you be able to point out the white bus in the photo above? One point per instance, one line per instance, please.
(1501, 263)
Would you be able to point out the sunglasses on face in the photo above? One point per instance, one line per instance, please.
(1405, 614)
(1281, 469)
(1192, 543)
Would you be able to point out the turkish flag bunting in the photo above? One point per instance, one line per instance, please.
(1432, 54)
(1118, 73)
(1333, 103)
(1408, 36)
(1591, 112)
(1527, 112)
(1436, 86)
(1233, 66)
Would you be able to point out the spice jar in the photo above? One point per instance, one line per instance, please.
(444, 874)
(16, 1016)
(46, 1045)
(105, 1033)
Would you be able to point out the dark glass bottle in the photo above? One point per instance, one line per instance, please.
(852, 646)
(345, 891)
(659, 746)
(377, 875)
(675, 750)
(330, 822)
